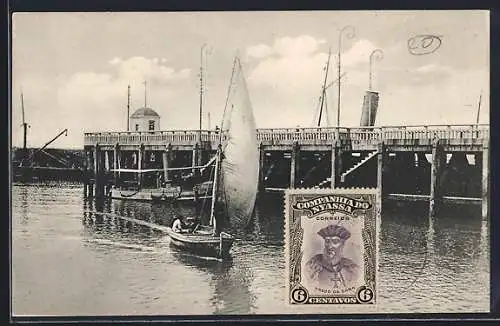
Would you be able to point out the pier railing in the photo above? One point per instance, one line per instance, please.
(290, 135)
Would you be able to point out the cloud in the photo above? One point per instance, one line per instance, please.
(358, 53)
(301, 46)
(287, 84)
(259, 51)
(452, 100)
(137, 68)
(295, 62)
(90, 101)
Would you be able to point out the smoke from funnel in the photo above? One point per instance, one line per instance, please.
(369, 110)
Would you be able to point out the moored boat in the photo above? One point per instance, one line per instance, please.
(161, 192)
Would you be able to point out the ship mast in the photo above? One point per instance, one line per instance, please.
(201, 85)
(25, 124)
(128, 108)
(479, 108)
(323, 93)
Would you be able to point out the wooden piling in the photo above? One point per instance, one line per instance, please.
(438, 162)
(140, 159)
(381, 160)
(119, 162)
(294, 164)
(194, 158)
(106, 161)
(85, 174)
(199, 154)
(98, 172)
(90, 174)
(166, 162)
(336, 164)
(485, 180)
(115, 163)
(262, 157)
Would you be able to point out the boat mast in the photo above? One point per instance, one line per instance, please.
(128, 108)
(25, 124)
(215, 189)
(201, 86)
(324, 86)
(479, 108)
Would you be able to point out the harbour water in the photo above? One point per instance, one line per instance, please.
(69, 261)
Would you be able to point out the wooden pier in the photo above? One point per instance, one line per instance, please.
(322, 157)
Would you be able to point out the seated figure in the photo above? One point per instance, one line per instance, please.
(184, 225)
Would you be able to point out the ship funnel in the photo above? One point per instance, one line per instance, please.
(369, 110)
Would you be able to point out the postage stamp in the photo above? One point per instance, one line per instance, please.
(331, 246)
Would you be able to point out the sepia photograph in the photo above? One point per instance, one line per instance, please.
(155, 156)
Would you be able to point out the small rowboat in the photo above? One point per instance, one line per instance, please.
(201, 242)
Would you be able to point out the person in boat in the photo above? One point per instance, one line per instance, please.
(184, 225)
(331, 269)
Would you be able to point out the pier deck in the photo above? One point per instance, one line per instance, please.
(395, 159)
(397, 138)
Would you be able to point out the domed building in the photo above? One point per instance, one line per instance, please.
(145, 119)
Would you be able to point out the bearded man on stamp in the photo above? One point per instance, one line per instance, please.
(330, 268)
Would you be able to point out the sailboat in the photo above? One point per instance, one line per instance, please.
(235, 177)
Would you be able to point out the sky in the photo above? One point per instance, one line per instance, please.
(73, 68)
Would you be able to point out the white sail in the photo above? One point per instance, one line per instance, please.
(240, 163)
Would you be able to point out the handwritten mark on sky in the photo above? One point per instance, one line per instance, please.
(423, 44)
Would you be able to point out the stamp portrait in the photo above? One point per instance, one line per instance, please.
(331, 246)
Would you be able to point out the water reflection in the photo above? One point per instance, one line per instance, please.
(231, 284)
(24, 204)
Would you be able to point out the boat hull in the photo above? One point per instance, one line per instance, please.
(202, 243)
(155, 195)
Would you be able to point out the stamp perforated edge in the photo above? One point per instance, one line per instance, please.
(351, 190)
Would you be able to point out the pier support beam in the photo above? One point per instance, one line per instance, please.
(140, 163)
(438, 162)
(294, 164)
(119, 162)
(336, 165)
(262, 158)
(194, 158)
(106, 161)
(166, 162)
(85, 174)
(485, 180)
(98, 172)
(90, 171)
(115, 163)
(381, 165)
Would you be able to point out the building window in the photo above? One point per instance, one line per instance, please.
(151, 125)
(136, 127)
